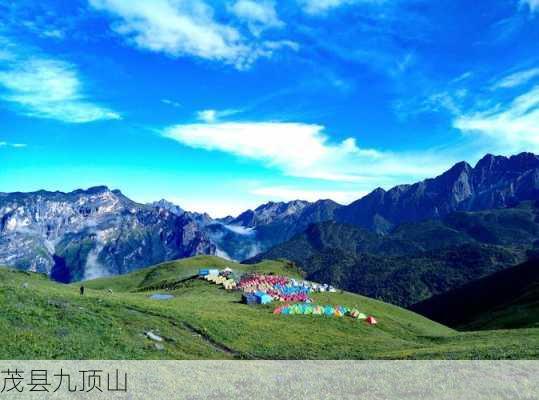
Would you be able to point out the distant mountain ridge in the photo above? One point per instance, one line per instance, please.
(77, 235)
(495, 182)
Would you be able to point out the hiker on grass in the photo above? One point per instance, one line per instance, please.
(82, 290)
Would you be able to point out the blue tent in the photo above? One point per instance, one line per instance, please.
(250, 299)
(263, 298)
(329, 310)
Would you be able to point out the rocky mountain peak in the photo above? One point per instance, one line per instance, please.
(168, 206)
(494, 182)
(89, 233)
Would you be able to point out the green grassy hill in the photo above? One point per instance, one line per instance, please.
(505, 300)
(41, 319)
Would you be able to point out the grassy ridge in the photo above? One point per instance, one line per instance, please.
(48, 320)
(505, 300)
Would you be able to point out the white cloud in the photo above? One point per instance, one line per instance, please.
(303, 150)
(240, 230)
(180, 28)
(259, 15)
(281, 44)
(508, 129)
(176, 28)
(532, 4)
(321, 7)
(462, 77)
(211, 116)
(48, 88)
(207, 115)
(14, 145)
(171, 103)
(53, 33)
(279, 193)
(518, 78)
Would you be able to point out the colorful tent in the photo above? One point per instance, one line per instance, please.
(371, 320)
(329, 311)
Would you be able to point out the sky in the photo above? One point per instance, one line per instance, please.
(220, 106)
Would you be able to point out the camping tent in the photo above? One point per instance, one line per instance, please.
(371, 320)
(263, 298)
(249, 298)
(329, 310)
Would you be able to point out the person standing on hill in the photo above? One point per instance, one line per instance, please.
(82, 290)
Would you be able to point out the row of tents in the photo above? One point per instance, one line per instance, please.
(327, 310)
(228, 283)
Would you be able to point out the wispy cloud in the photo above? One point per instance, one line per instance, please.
(532, 4)
(14, 145)
(304, 150)
(188, 28)
(517, 78)
(321, 7)
(258, 15)
(211, 116)
(47, 88)
(508, 128)
(171, 103)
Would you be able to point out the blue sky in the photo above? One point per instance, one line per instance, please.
(223, 105)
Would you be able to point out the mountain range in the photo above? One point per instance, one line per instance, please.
(495, 182)
(97, 232)
(89, 233)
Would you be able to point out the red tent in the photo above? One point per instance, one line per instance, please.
(371, 320)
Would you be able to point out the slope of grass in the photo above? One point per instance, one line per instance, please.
(47, 320)
(505, 300)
